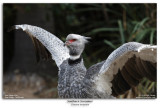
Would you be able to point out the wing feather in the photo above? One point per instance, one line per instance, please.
(125, 67)
(45, 43)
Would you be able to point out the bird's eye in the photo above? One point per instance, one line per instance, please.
(72, 40)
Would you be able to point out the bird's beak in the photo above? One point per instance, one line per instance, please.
(66, 43)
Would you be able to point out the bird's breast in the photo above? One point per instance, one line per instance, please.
(70, 82)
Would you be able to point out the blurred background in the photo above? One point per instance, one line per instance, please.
(109, 26)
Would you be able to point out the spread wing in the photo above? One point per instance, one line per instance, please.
(124, 68)
(46, 44)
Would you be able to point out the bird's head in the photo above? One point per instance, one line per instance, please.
(76, 44)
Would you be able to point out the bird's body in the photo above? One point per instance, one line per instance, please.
(71, 76)
(122, 70)
(75, 82)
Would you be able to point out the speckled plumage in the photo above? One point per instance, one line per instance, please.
(75, 81)
(71, 79)
(51, 42)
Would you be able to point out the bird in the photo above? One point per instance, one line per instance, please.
(123, 69)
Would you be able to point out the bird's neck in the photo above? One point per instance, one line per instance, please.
(75, 52)
(74, 60)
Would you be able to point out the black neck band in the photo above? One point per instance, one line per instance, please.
(76, 61)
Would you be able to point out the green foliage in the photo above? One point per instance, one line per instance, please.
(110, 44)
(121, 32)
(116, 23)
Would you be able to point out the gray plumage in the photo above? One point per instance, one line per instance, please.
(54, 45)
(106, 79)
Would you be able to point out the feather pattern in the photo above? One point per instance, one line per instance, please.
(126, 63)
(54, 45)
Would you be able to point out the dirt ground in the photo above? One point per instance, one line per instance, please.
(28, 87)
